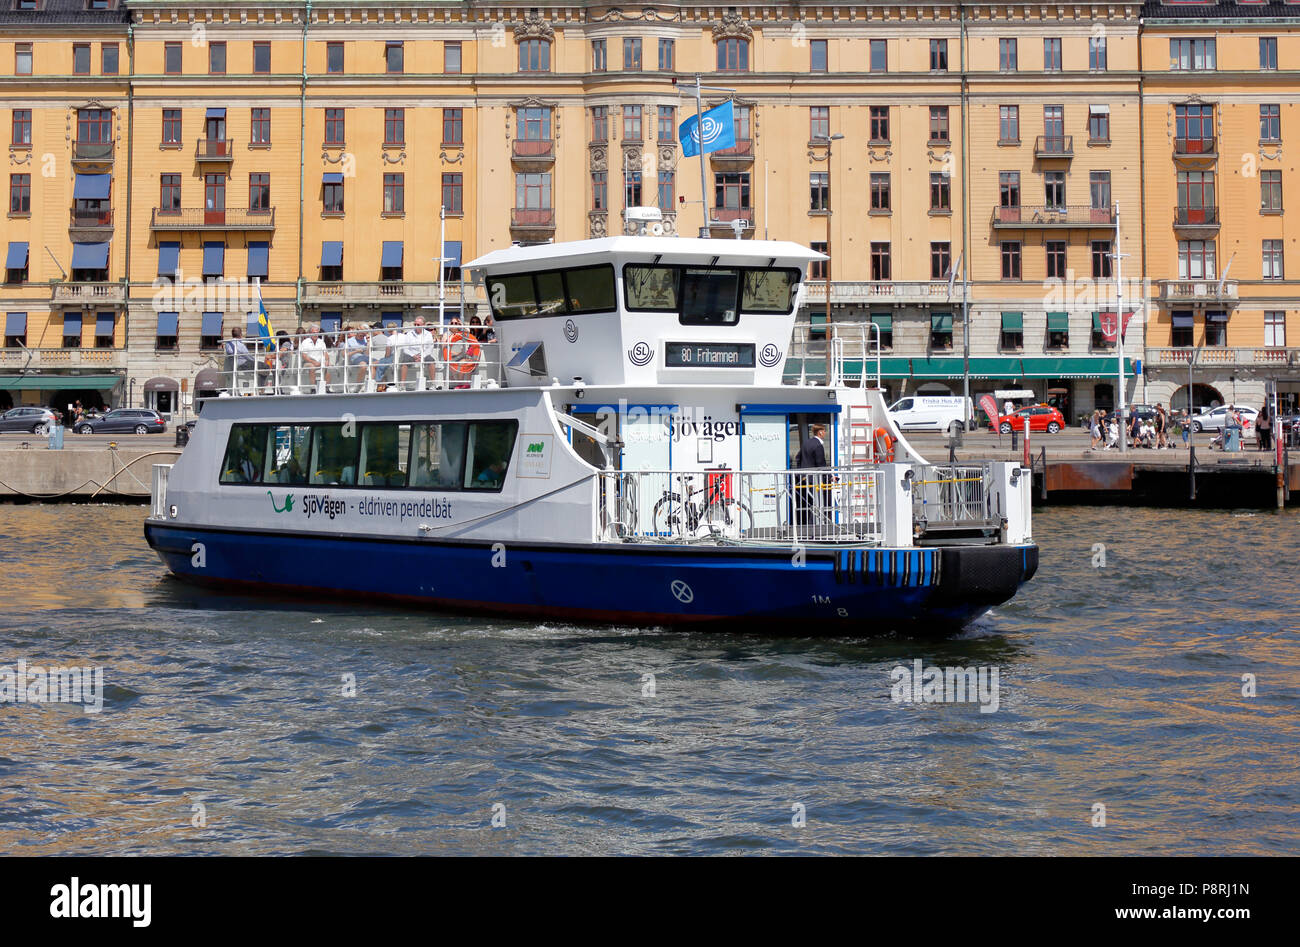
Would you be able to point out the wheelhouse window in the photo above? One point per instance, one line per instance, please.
(708, 295)
(552, 293)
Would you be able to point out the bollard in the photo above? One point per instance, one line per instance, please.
(56, 436)
(1027, 440)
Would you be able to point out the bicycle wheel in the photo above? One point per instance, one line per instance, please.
(728, 516)
(670, 516)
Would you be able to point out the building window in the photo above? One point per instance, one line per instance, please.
(334, 127)
(667, 190)
(940, 260)
(941, 330)
(1194, 128)
(394, 193)
(1058, 330)
(169, 195)
(1099, 189)
(1054, 189)
(533, 191)
(817, 61)
(819, 122)
(632, 123)
(81, 59)
(1270, 192)
(261, 57)
(631, 54)
(1010, 259)
(879, 56)
(599, 56)
(393, 58)
(334, 58)
(599, 190)
(1098, 124)
(1052, 54)
(1008, 124)
(1216, 328)
(1195, 259)
(1097, 53)
(94, 126)
(1101, 259)
(172, 58)
(600, 123)
(260, 127)
(667, 125)
(938, 55)
(22, 59)
(533, 124)
(451, 58)
(394, 126)
(1009, 188)
(1195, 196)
(1273, 259)
(1013, 331)
(108, 59)
(534, 55)
(1268, 52)
(259, 192)
(940, 191)
(216, 58)
(1270, 123)
(22, 128)
(453, 127)
(881, 268)
(332, 198)
(667, 55)
(453, 193)
(1187, 54)
(880, 196)
(731, 190)
(939, 124)
(733, 55)
(631, 188)
(1181, 334)
(1055, 252)
(817, 268)
(20, 193)
(1274, 328)
(819, 191)
(1007, 55)
(880, 124)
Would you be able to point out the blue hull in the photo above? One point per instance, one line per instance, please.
(831, 592)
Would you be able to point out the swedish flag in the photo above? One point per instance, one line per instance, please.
(264, 330)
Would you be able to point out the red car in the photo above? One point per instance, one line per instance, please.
(1042, 417)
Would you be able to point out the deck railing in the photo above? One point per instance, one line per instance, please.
(158, 490)
(953, 496)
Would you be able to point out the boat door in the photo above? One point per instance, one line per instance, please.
(771, 436)
(645, 431)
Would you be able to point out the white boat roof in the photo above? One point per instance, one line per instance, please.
(672, 250)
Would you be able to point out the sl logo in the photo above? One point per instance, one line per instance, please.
(571, 330)
(640, 354)
(769, 355)
(288, 503)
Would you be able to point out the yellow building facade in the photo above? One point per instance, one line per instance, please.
(305, 150)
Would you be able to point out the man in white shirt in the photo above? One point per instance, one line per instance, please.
(356, 356)
(380, 359)
(311, 351)
(426, 344)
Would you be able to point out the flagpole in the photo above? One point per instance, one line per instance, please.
(1119, 337)
(699, 136)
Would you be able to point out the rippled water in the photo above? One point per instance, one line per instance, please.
(1119, 685)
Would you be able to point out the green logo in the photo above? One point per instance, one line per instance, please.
(538, 448)
(288, 503)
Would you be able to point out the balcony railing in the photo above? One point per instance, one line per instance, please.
(1195, 147)
(88, 294)
(1046, 217)
(1191, 290)
(198, 218)
(726, 215)
(386, 291)
(1054, 146)
(1223, 356)
(533, 218)
(1187, 218)
(63, 358)
(214, 149)
(92, 151)
(740, 154)
(533, 149)
(83, 219)
(879, 291)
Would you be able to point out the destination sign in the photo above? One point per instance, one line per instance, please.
(709, 354)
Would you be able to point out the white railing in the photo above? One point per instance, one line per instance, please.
(836, 347)
(158, 490)
(953, 496)
(1218, 355)
(352, 361)
(728, 506)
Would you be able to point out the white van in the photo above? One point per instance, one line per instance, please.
(930, 412)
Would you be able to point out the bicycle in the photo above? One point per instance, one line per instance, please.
(716, 512)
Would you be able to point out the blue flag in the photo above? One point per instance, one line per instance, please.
(264, 330)
(719, 131)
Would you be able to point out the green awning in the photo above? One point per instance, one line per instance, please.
(1074, 367)
(883, 319)
(57, 382)
(995, 367)
(817, 324)
(940, 322)
(1096, 322)
(1013, 322)
(1058, 322)
(938, 367)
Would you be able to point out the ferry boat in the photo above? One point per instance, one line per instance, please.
(623, 452)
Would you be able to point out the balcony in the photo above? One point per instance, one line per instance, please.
(533, 152)
(88, 294)
(740, 155)
(1196, 148)
(721, 219)
(882, 291)
(1041, 217)
(532, 219)
(1197, 291)
(1218, 356)
(92, 153)
(215, 150)
(90, 224)
(1196, 221)
(200, 219)
(385, 292)
(63, 358)
(1054, 146)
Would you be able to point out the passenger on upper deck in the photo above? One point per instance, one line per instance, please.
(312, 355)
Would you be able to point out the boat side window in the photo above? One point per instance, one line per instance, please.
(245, 454)
(651, 288)
(490, 445)
(512, 297)
(769, 290)
(438, 455)
(708, 296)
(550, 293)
(384, 452)
(571, 291)
(590, 289)
(286, 461)
(334, 455)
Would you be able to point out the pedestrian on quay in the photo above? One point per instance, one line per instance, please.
(1094, 428)
(1264, 429)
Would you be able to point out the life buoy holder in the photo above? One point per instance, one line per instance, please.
(466, 360)
(884, 445)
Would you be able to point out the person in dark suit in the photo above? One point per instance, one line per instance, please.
(812, 455)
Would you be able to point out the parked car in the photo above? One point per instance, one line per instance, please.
(123, 421)
(930, 412)
(28, 420)
(1211, 419)
(1042, 417)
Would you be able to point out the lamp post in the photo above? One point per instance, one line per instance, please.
(829, 141)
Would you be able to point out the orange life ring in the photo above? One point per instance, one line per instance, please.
(467, 360)
(884, 445)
